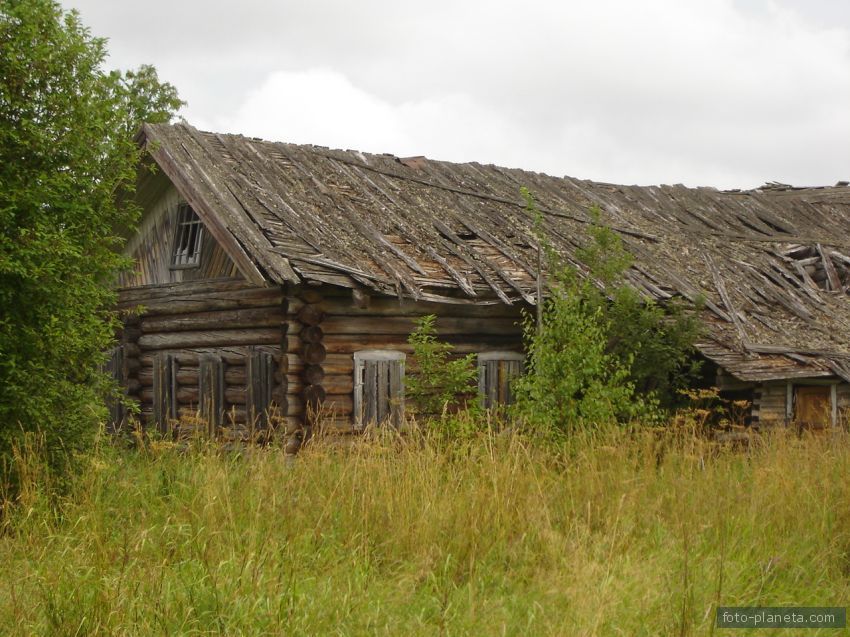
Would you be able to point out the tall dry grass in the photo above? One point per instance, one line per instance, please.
(617, 534)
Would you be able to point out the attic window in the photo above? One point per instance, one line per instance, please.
(187, 239)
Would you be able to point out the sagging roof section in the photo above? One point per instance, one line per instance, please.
(772, 265)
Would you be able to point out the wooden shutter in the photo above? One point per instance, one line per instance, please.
(211, 390)
(396, 394)
(496, 370)
(378, 387)
(164, 390)
(259, 377)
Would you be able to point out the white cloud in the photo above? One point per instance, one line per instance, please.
(721, 92)
(321, 106)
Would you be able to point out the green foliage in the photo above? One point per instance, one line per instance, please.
(601, 353)
(659, 341)
(437, 382)
(66, 148)
(572, 381)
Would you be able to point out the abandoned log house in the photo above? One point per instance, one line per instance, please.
(270, 277)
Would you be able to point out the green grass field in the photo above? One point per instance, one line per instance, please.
(617, 535)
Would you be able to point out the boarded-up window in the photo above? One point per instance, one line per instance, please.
(378, 387)
(260, 383)
(813, 406)
(211, 390)
(164, 390)
(496, 370)
(188, 234)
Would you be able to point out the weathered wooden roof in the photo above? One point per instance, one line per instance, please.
(772, 264)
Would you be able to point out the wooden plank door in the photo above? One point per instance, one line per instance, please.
(813, 407)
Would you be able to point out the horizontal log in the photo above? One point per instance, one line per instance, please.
(227, 319)
(347, 344)
(333, 363)
(204, 286)
(339, 404)
(185, 376)
(295, 406)
(339, 384)
(446, 326)
(191, 395)
(333, 384)
(179, 304)
(308, 295)
(232, 355)
(210, 338)
(391, 306)
(234, 375)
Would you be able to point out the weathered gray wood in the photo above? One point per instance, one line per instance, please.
(383, 386)
(229, 319)
(370, 392)
(210, 338)
(260, 385)
(339, 383)
(310, 314)
(396, 386)
(314, 374)
(188, 357)
(404, 326)
(831, 274)
(314, 395)
(211, 390)
(496, 371)
(314, 353)
(143, 293)
(164, 391)
(311, 334)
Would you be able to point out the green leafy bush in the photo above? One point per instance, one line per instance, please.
(66, 149)
(600, 353)
(437, 382)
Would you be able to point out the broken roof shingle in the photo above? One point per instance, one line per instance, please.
(772, 265)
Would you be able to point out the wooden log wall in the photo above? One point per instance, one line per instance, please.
(330, 323)
(123, 366)
(770, 403)
(224, 326)
(306, 357)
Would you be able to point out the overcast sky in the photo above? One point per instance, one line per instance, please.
(729, 93)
